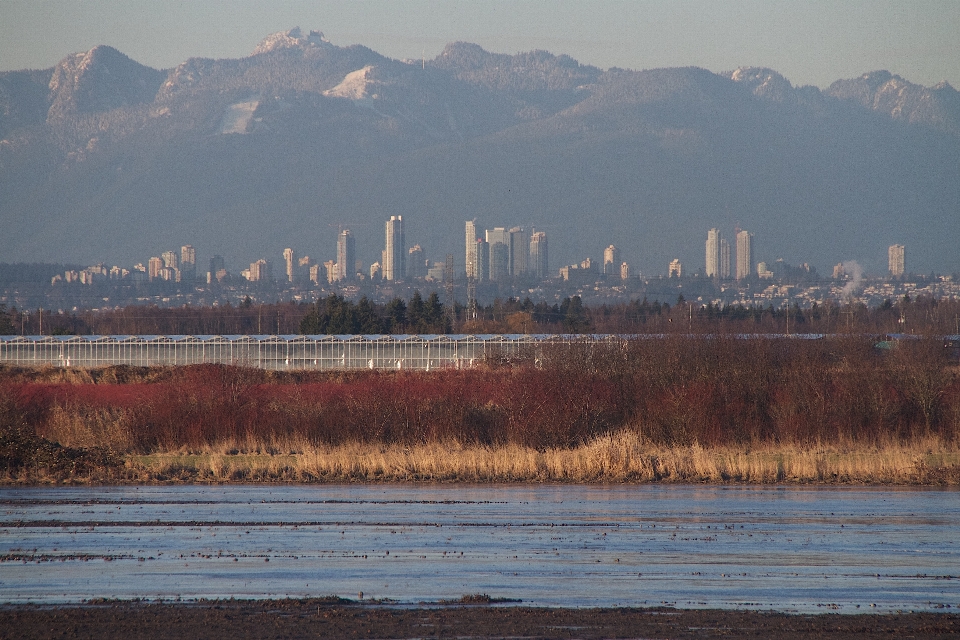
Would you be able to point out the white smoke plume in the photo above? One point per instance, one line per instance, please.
(852, 269)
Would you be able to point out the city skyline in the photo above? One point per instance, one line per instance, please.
(500, 254)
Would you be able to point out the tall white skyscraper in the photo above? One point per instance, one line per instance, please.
(611, 261)
(713, 253)
(744, 254)
(291, 261)
(471, 248)
(346, 256)
(394, 254)
(896, 257)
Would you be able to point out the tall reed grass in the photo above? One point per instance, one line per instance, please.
(614, 458)
(646, 409)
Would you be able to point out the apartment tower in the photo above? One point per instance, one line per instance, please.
(611, 261)
(346, 256)
(394, 254)
(713, 253)
(744, 254)
(537, 258)
(895, 256)
(471, 248)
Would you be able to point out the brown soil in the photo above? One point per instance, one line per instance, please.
(333, 618)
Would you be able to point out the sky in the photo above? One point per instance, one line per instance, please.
(810, 42)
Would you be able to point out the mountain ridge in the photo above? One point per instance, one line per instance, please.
(329, 135)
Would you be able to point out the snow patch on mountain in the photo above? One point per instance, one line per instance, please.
(359, 85)
(292, 39)
(237, 117)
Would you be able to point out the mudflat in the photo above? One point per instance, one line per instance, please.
(336, 618)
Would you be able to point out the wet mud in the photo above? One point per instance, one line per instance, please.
(336, 618)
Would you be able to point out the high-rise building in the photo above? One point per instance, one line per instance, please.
(499, 261)
(498, 234)
(675, 270)
(744, 254)
(713, 253)
(499, 256)
(217, 269)
(171, 259)
(519, 251)
(724, 259)
(333, 273)
(537, 259)
(394, 254)
(624, 271)
(416, 263)
(471, 248)
(611, 261)
(346, 256)
(188, 262)
(291, 261)
(154, 265)
(895, 256)
(260, 271)
(483, 260)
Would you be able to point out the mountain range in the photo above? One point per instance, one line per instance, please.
(105, 159)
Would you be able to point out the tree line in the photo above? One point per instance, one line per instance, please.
(336, 314)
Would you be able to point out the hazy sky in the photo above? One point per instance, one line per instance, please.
(808, 41)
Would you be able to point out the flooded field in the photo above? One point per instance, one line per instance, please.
(852, 550)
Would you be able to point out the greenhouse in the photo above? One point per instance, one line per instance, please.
(288, 352)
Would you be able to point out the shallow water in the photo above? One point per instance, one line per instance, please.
(785, 548)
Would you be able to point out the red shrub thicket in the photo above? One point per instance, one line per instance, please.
(674, 390)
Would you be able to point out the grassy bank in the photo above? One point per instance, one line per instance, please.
(616, 458)
(678, 409)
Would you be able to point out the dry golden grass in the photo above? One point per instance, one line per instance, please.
(623, 457)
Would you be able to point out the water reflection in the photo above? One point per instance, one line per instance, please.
(793, 549)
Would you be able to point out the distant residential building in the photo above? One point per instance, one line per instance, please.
(260, 271)
(154, 265)
(675, 270)
(436, 272)
(895, 256)
(839, 271)
(624, 271)
(346, 256)
(724, 259)
(537, 258)
(333, 273)
(713, 254)
(482, 266)
(416, 262)
(188, 262)
(470, 237)
(216, 264)
(611, 260)
(291, 261)
(376, 271)
(763, 272)
(314, 272)
(394, 254)
(170, 259)
(499, 261)
(519, 241)
(744, 255)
